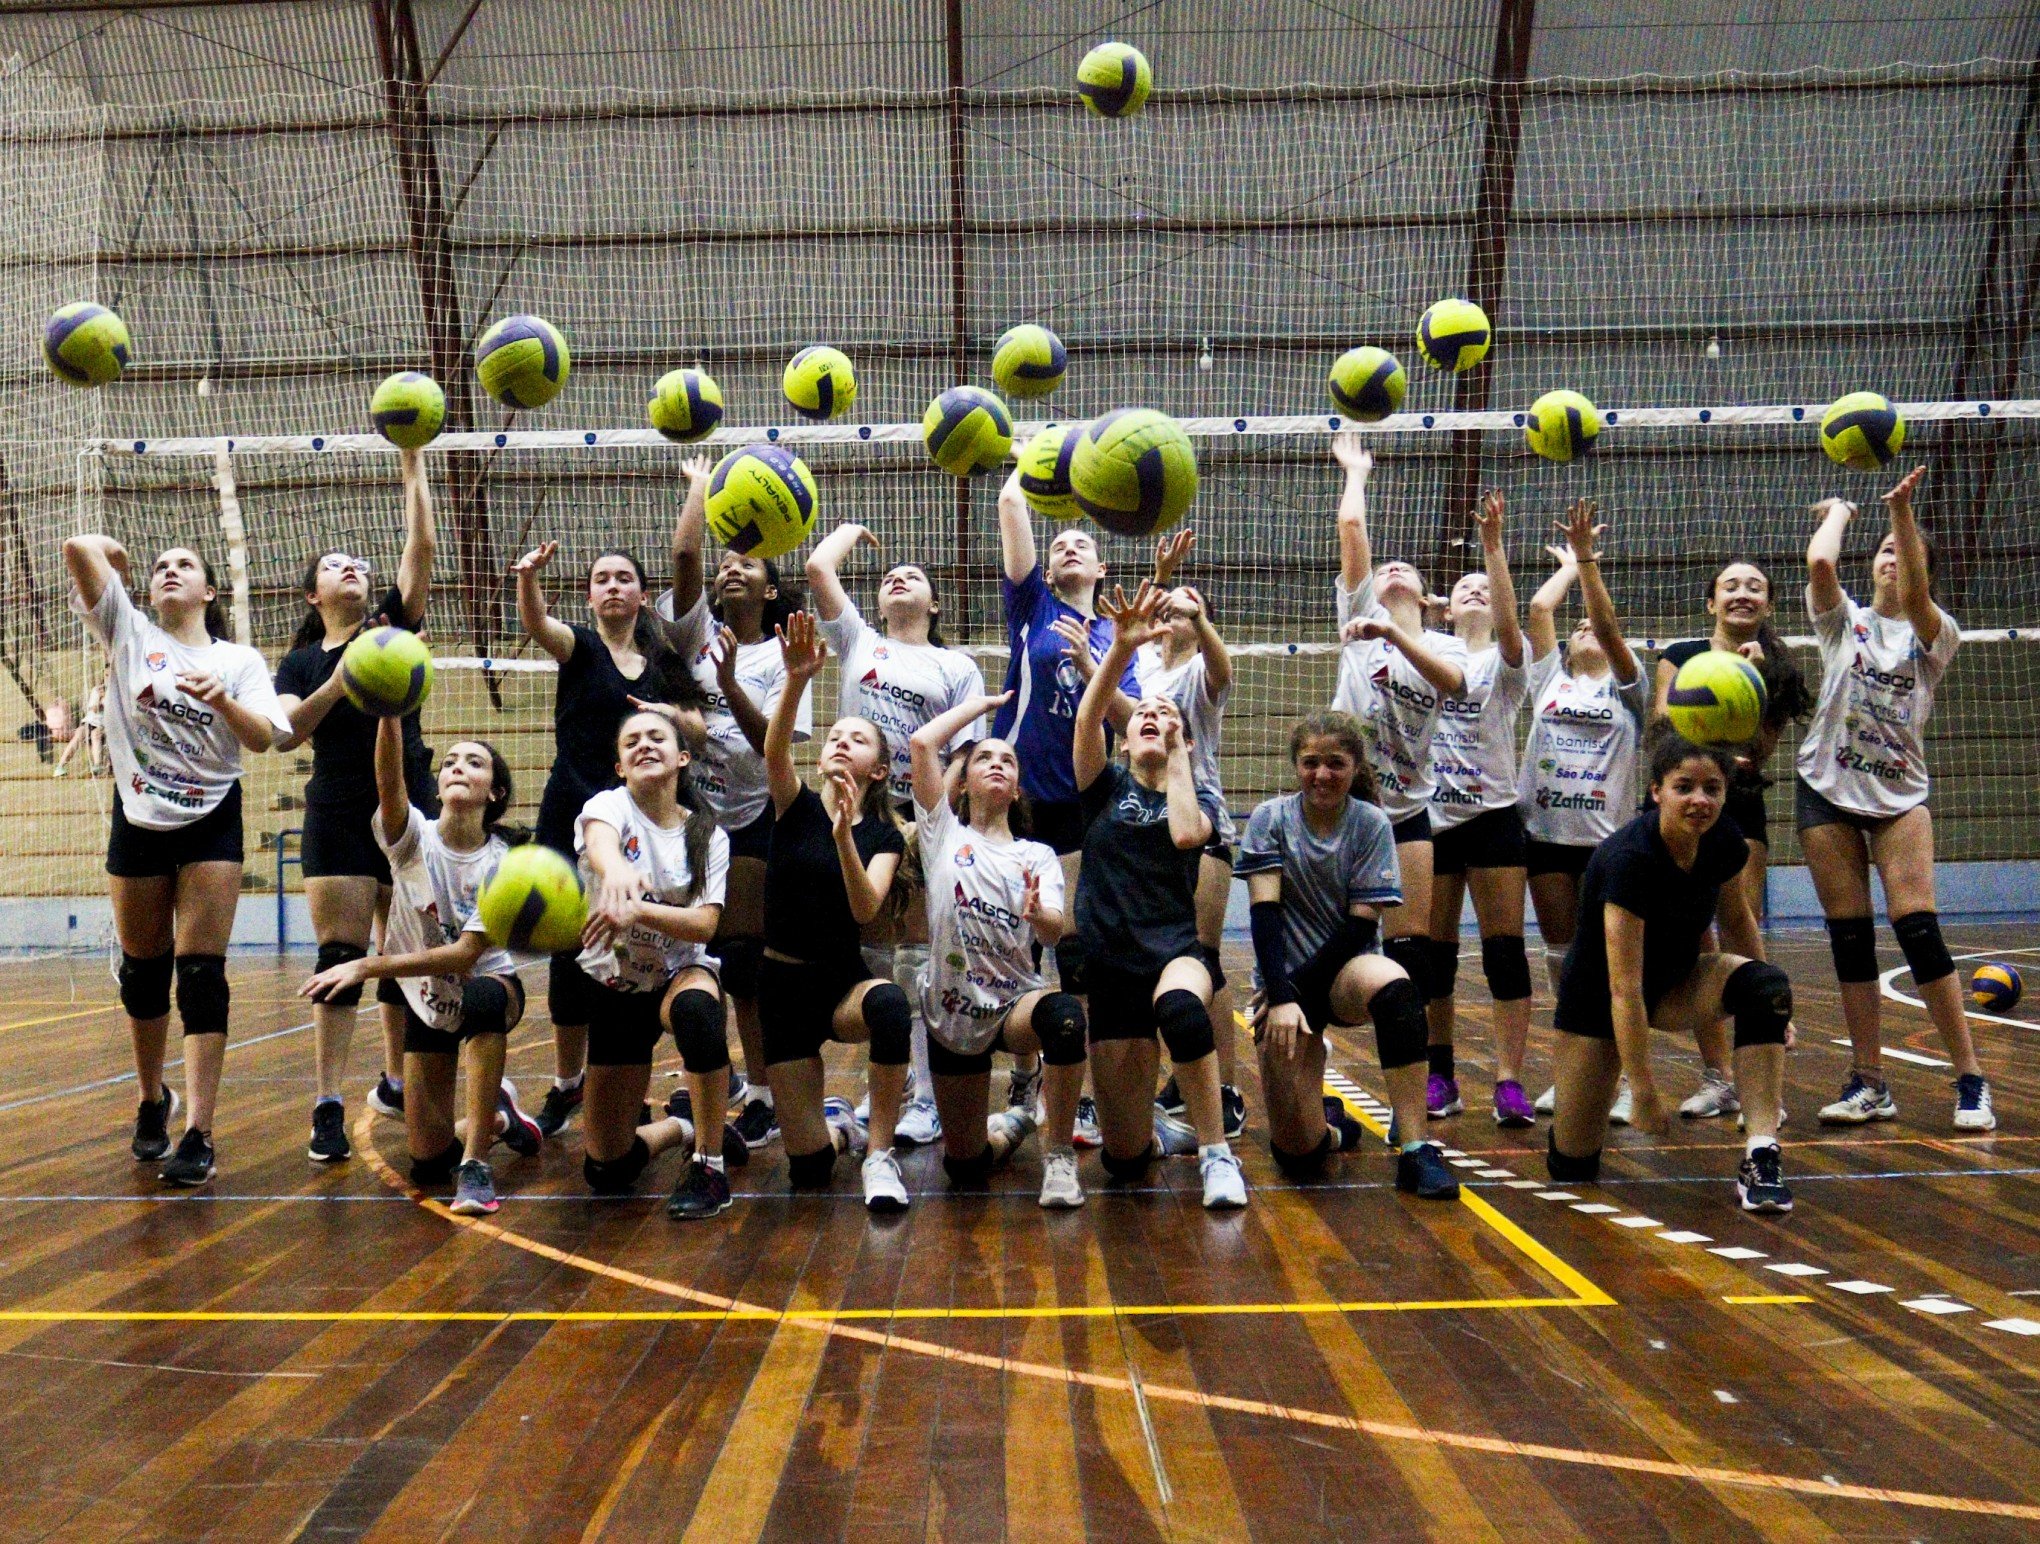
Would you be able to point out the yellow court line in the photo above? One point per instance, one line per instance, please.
(1760, 1299)
(58, 1018)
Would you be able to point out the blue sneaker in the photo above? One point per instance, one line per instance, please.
(1423, 1174)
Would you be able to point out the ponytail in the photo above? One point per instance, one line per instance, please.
(1786, 698)
(700, 832)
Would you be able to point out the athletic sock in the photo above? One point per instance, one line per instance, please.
(325, 1099)
(714, 1161)
(1410, 1147)
(762, 1096)
(568, 1085)
(1754, 1143)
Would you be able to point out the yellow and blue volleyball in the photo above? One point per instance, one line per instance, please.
(1028, 361)
(968, 431)
(1996, 987)
(1561, 425)
(1134, 471)
(761, 501)
(1862, 431)
(1368, 384)
(1045, 472)
(522, 361)
(686, 405)
(1454, 335)
(86, 345)
(408, 409)
(1114, 80)
(386, 672)
(534, 902)
(1717, 698)
(819, 383)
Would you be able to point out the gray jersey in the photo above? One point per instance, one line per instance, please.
(1322, 877)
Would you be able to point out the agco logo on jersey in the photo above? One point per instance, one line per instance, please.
(991, 911)
(871, 682)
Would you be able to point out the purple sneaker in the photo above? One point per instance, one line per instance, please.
(1512, 1105)
(1441, 1096)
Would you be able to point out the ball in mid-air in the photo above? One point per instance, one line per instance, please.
(819, 383)
(968, 430)
(686, 405)
(1045, 472)
(408, 409)
(761, 501)
(86, 345)
(1454, 335)
(386, 672)
(1996, 987)
(522, 361)
(1134, 471)
(1028, 361)
(1717, 698)
(1862, 431)
(1561, 425)
(533, 902)
(1114, 80)
(1368, 384)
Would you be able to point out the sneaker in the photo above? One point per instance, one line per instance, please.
(1085, 1133)
(701, 1192)
(1441, 1096)
(740, 1091)
(1863, 1100)
(1623, 1108)
(1512, 1105)
(1060, 1189)
(474, 1190)
(329, 1132)
(757, 1123)
(1232, 1104)
(736, 1152)
(192, 1163)
(1006, 1130)
(680, 1104)
(919, 1125)
(386, 1098)
(1760, 1182)
(1023, 1089)
(1393, 1139)
(520, 1132)
(842, 1117)
(1972, 1104)
(884, 1189)
(1174, 1138)
(152, 1125)
(1547, 1102)
(1714, 1097)
(1225, 1188)
(560, 1104)
(1347, 1133)
(1170, 1100)
(1422, 1173)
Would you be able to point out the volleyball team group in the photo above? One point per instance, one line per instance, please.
(953, 843)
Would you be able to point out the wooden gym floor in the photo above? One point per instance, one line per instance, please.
(306, 1352)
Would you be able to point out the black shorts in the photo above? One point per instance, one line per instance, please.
(797, 1003)
(1313, 984)
(1541, 857)
(1059, 823)
(945, 1063)
(1602, 1026)
(1745, 806)
(1218, 847)
(1122, 1001)
(1493, 839)
(623, 1027)
(1810, 809)
(337, 843)
(753, 840)
(486, 1004)
(136, 852)
(1412, 828)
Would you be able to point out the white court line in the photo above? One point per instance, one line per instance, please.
(1884, 985)
(1907, 1056)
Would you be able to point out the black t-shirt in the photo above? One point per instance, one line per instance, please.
(1634, 869)
(343, 746)
(592, 699)
(807, 910)
(1137, 905)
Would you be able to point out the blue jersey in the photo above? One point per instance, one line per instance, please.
(1041, 719)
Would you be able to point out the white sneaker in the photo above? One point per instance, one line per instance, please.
(1060, 1190)
(1023, 1089)
(1862, 1101)
(1972, 1104)
(884, 1188)
(1714, 1097)
(918, 1124)
(1547, 1102)
(1086, 1133)
(1174, 1138)
(1006, 1130)
(1619, 1115)
(1224, 1186)
(849, 1131)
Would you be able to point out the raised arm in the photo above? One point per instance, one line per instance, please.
(393, 799)
(93, 562)
(550, 634)
(802, 652)
(1076, 637)
(689, 532)
(1501, 589)
(865, 885)
(1356, 556)
(421, 540)
(1543, 628)
(1915, 587)
(823, 563)
(1584, 537)
(1133, 623)
(742, 708)
(1824, 555)
(1016, 531)
(1217, 658)
(1189, 826)
(1443, 675)
(925, 747)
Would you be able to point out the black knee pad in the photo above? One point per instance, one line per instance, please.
(1304, 1166)
(145, 986)
(1507, 967)
(1919, 936)
(616, 1176)
(1211, 963)
(1401, 1035)
(1441, 966)
(1853, 942)
(1070, 960)
(698, 1019)
(1414, 956)
(484, 1007)
(1759, 997)
(203, 996)
(890, 1018)
(340, 954)
(1570, 1171)
(1059, 1026)
(811, 1171)
(434, 1172)
(1132, 1168)
(966, 1172)
(740, 957)
(1185, 1023)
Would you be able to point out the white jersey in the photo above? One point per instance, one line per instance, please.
(980, 948)
(1473, 753)
(174, 758)
(1579, 767)
(1865, 749)
(432, 902)
(643, 959)
(1394, 703)
(729, 773)
(900, 687)
(1188, 686)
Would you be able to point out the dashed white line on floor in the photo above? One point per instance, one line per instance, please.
(1934, 1305)
(1860, 1288)
(1793, 1268)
